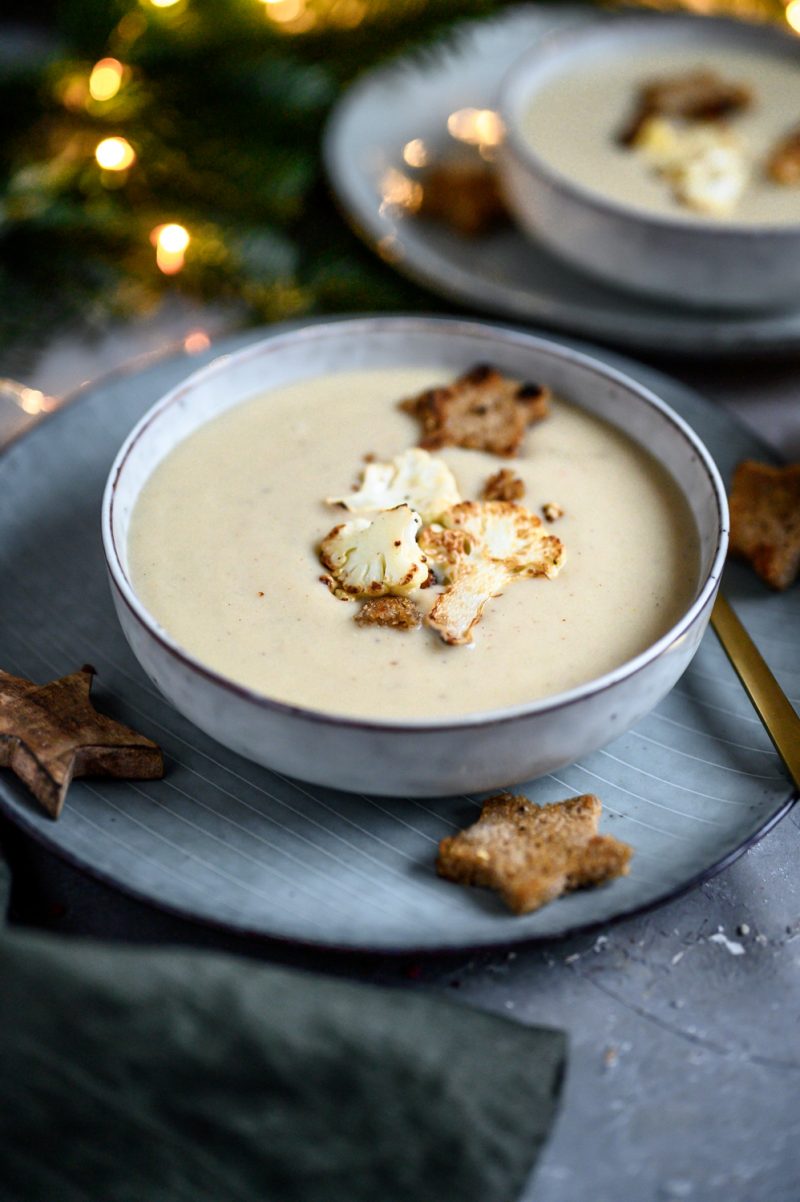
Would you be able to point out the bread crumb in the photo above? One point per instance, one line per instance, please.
(552, 511)
(504, 485)
(399, 613)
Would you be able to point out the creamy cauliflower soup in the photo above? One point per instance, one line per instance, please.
(573, 124)
(225, 541)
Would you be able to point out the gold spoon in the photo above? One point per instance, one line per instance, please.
(771, 703)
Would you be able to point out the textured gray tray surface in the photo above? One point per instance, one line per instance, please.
(222, 840)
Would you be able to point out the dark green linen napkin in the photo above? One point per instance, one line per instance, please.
(164, 1075)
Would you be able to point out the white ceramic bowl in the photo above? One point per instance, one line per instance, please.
(431, 756)
(686, 258)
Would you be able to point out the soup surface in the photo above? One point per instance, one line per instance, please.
(224, 538)
(573, 122)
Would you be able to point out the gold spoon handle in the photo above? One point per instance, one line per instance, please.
(771, 703)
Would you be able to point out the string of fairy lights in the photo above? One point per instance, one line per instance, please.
(115, 154)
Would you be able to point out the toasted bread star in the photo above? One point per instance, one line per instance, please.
(695, 95)
(765, 520)
(480, 547)
(783, 165)
(532, 854)
(51, 733)
(482, 410)
(465, 195)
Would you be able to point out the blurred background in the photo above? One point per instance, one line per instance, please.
(159, 161)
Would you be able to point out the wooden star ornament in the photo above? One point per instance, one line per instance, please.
(51, 733)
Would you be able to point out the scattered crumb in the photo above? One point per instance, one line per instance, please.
(503, 486)
(743, 929)
(571, 959)
(400, 613)
(762, 939)
(610, 1057)
(676, 959)
(482, 410)
(464, 195)
(730, 945)
(552, 511)
(532, 854)
(765, 520)
(260, 593)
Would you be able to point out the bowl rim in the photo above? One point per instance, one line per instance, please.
(355, 327)
(585, 31)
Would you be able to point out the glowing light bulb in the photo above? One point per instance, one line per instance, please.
(793, 15)
(164, 3)
(478, 127)
(399, 192)
(284, 11)
(115, 154)
(31, 400)
(170, 241)
(415, 153)
(196, 341)
(105, 79)
(173, 238)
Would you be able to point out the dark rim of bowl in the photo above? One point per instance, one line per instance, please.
(124, 590)
(550, 45)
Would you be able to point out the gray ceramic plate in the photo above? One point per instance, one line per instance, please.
(504, 272)
(224, 841)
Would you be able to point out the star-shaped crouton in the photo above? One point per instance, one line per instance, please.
(532, 854)
(765, 520)
(51, 733)
(696, 95)
(482, 410)
(464, 195)
(480, 547)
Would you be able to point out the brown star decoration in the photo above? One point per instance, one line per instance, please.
(50, 733)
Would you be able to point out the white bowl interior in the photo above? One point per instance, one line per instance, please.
(381, 342)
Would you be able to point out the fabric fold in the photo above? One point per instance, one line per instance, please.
(167, 1075)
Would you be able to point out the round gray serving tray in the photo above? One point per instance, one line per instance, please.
(504, 272)
(223, 841)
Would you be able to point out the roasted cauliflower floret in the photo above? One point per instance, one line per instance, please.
(705, 163)
(414, 478)
(480, 547)
(373, 558)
